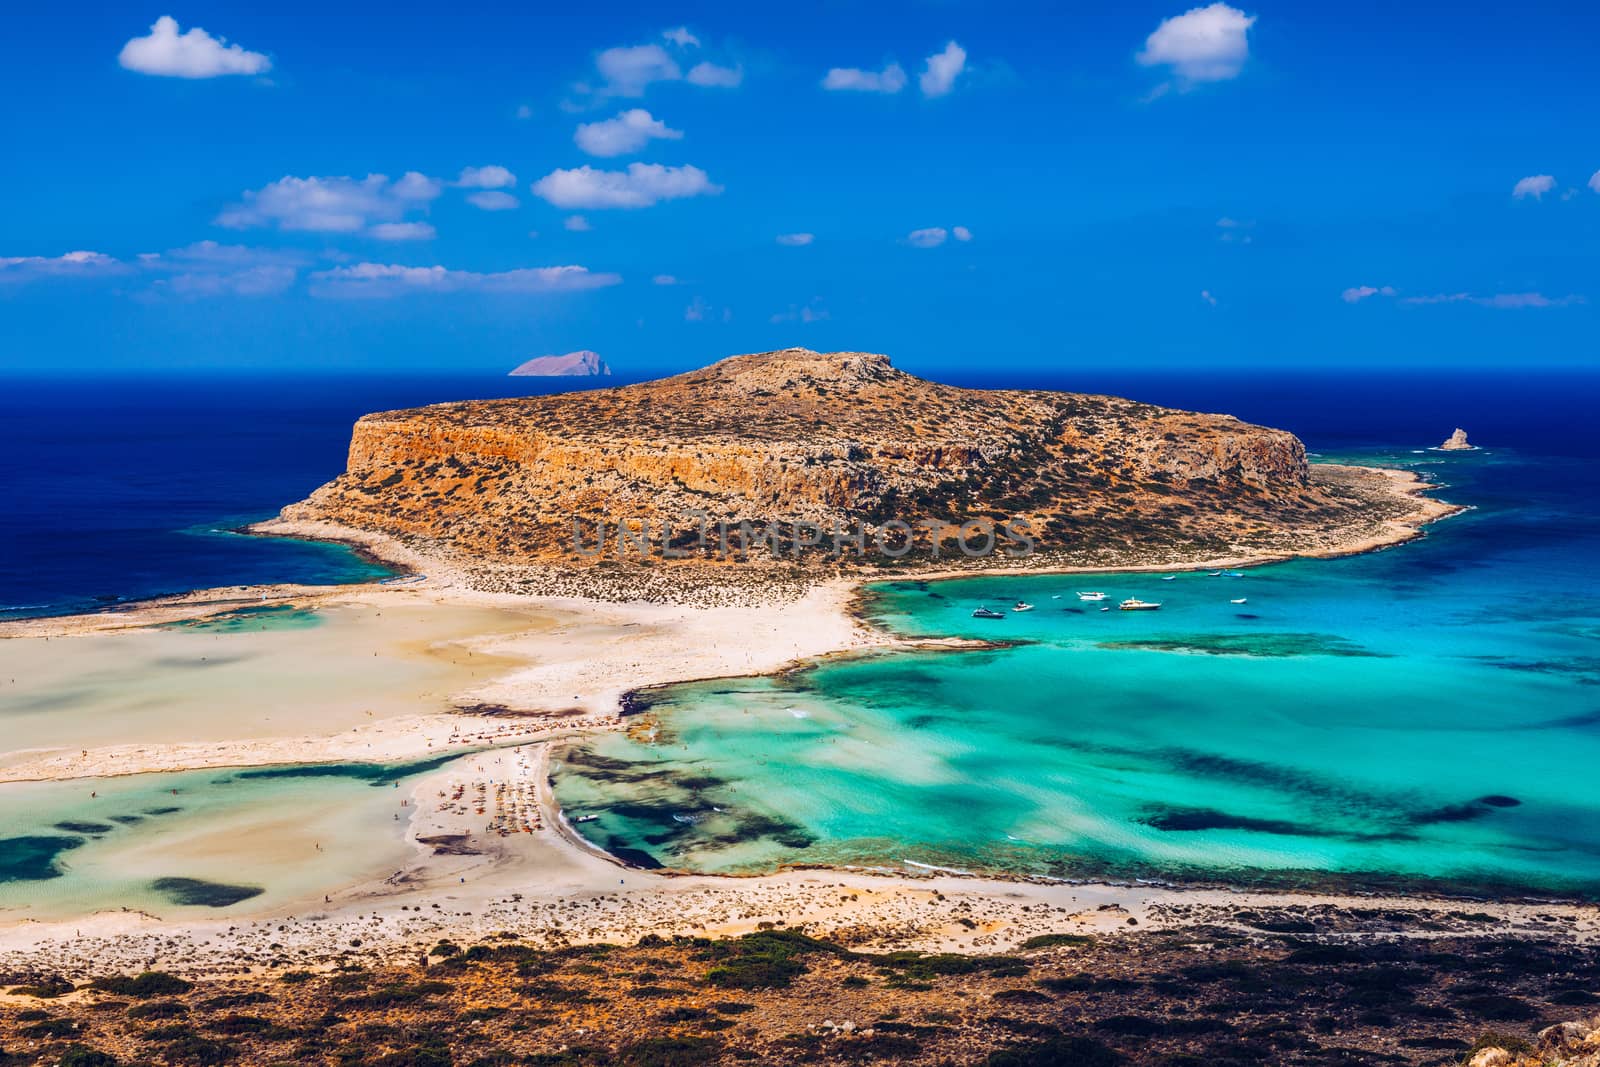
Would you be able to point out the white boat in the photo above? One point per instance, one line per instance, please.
(1240, 600)
(1133, 603)
(1022, 605)
(586, 818)
(1170, 578)
(985, 613)
(1091, 596)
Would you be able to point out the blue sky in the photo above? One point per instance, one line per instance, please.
(958, 184)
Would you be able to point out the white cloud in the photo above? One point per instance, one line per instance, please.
(664, 279)
(696, 311)
(889, 80)
(942, 68)
(1503, 301)
(961, 233)
(493, 200)
(628, 132)
(1594, 181)
(330, 205)
(1205, 44)
(1535, 185)
(932, 237)
(524, 111)
(71, 264)
(577, 224)
(403, 231)
(1357, 293)
(795, 240)
(629, 70)
(386, 280)
(711, 76)
(490, 177)
(641, 185)
(195, 54)
(681, 37)
(1205, 294)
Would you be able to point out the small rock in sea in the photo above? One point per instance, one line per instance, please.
(1457, 442)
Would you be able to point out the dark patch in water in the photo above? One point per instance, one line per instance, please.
(634, 857)
(1270, 646)
(1189, 820)
(73, 826)
(161, 811)
(195, 892)
(1245, 615)
(1570, 722)
(1450, 813)
(1499, 800)
(33, 858)
(127, 820)
(377, 774)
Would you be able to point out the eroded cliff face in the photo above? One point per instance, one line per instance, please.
(826, 438)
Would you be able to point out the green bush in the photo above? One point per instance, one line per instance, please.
(143, 986)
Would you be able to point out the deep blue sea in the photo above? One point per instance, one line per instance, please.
(126, 489)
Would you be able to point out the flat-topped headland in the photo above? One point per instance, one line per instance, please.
(793, 465)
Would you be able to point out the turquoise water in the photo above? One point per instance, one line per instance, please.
(1426, 713)
(195, 841)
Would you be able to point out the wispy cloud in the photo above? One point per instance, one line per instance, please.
(577, 224)
(1594, 181)
(1504, 301)
(68, 265)
(891, 79)
(961, 233)
(1357, 293)
(493, 200)
(934, 236)
(812, 312)
(664, 279)
(1205, 294)
(196, 54)
(1204, 44)
(1535, 185)
(681, 37)
(795, 240)
(641, 185)
(941, 69)
(331, 205)
(628, 132)
(380, 280)
(492, 176)
(711, 76)
(403, 231)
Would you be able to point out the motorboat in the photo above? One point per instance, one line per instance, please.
(985, 613)
(1022, 605)
(1238, 600)
(1133, 603)
(1091, 596)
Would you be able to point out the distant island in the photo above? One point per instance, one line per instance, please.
(580, 364)
(1457, 442)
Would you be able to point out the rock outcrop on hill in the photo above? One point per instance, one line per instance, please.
(837, 439)
(580, 364)
(1457, 442)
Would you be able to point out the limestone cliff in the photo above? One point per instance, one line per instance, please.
(828, 438)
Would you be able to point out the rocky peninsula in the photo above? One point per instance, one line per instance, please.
(783, 466)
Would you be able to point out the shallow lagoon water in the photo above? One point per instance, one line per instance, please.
(200, 840)
(1427, 713)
